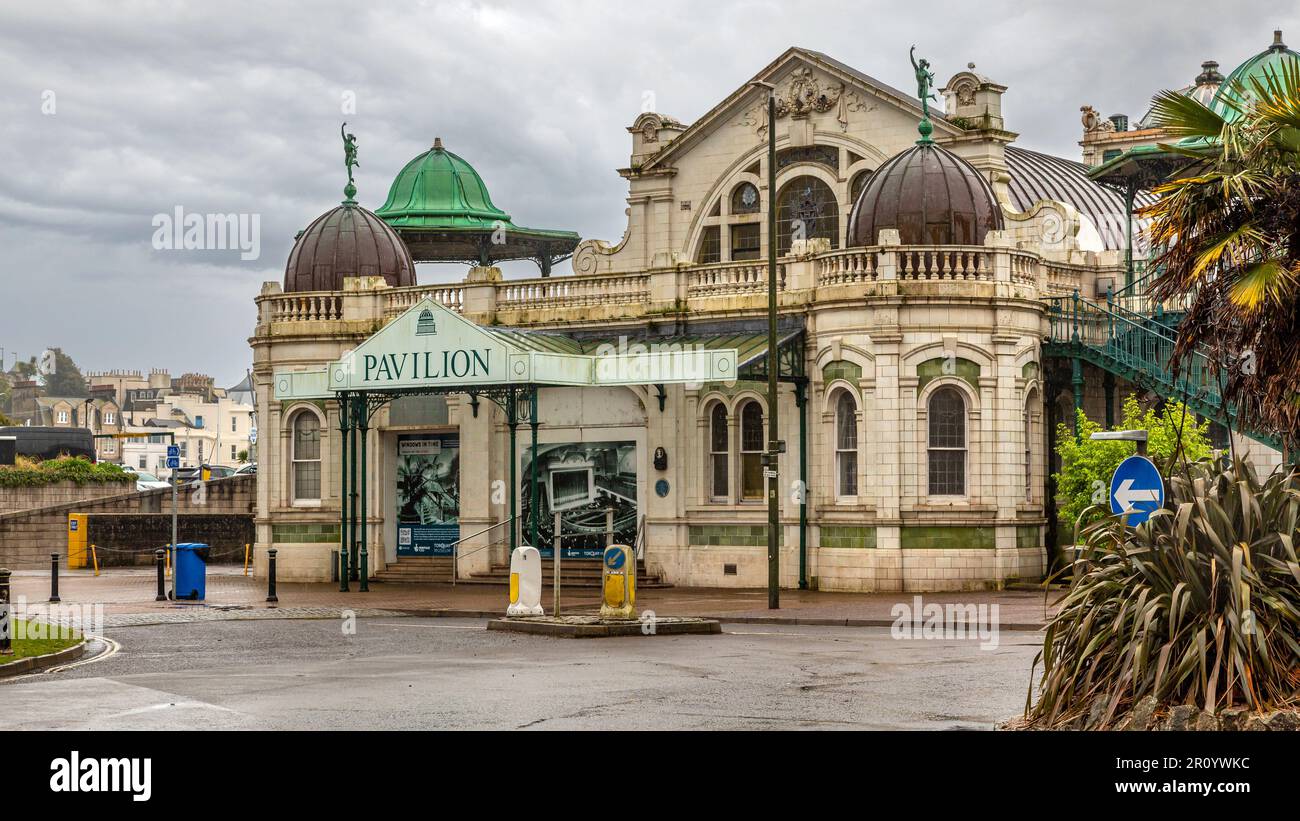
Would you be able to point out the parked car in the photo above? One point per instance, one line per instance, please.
(247, 470)
(203, 473)
(49, 442)
(146, 481)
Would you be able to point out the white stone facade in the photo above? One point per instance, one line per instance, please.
(887, 325)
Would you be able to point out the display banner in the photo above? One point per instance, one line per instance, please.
(580, 481)
(428, 493)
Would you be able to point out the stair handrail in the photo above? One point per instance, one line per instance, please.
(638, 548)
(455, 546)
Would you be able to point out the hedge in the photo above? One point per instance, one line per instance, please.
(75, 469)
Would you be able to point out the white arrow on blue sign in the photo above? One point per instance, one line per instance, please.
(1136, 489)
(173, 451)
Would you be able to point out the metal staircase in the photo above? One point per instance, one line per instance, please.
(1138, 347)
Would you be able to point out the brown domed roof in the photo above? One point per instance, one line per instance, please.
(932, 197)
(348, 241)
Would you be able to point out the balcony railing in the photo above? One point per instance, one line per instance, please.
(739, 278)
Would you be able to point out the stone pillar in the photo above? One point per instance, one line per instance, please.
(480, 303)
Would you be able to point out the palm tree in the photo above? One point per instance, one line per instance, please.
(1229, 227)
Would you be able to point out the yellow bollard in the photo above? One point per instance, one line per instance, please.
(95, 558)
(168, 560)
(247, 554)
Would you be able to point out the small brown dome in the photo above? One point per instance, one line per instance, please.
(932, 197)
(348, 241)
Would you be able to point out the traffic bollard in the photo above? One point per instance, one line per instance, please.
(54, 578)
(6, 617)
(270, 576)
(162, 583)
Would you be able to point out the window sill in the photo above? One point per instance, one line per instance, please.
(305, 503)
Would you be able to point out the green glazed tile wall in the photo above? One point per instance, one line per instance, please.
(842, 369)
(730, 535)
(947, 537)
(305, 532)
(848, 536)
(933, 368)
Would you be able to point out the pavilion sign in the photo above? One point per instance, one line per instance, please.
(431, 347)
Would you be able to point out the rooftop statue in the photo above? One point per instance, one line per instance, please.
(924, 84)
(349, 159)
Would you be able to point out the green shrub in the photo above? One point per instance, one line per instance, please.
(1199, 605)
(1087, 465)
(67, 469)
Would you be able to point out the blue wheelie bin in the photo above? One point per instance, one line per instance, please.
(191, 570)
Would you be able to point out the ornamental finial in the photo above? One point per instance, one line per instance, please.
(350, 162)
(924, 86)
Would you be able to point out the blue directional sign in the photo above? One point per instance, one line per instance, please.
(173, 451)
(173, 462)
(1136, 489)
(614, 558)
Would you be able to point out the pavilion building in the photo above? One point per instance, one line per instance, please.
(934, 329)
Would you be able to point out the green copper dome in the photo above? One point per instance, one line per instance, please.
(440, 207)
(1238, 88)
(440, 190)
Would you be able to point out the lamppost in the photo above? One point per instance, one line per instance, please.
(770, 458)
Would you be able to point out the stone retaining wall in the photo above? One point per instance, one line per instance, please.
(27, 498)
(28, 537)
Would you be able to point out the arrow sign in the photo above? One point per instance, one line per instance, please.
(1136, 489)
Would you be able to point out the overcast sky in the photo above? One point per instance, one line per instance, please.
(112, 113)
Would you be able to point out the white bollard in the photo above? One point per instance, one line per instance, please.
(525, 582)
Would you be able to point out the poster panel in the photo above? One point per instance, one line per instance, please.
(580, 480)
(428, 493)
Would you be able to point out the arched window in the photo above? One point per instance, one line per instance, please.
(1029, 452)
(846, 445)
(306, 457)
(719, 452)
(751, 450)
(947, 443)
(806, 208)
(744, 199)
(855, 187)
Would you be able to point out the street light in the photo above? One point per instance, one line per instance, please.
(773, 443)
(1139, 436)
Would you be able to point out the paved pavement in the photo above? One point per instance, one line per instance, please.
(130, 592)
(414, 672)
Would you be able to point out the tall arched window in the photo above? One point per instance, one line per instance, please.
(305, 457)
(846, 445)
(751, 450)
(1029, 449)
(947, 443)
(719, 452)
(806, 208)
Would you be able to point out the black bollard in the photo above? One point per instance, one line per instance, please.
(54, 578)
(270, 576)
(7, 618)
(160, 557)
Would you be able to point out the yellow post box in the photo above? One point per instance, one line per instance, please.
(77, 539)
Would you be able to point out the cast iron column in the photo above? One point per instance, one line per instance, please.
(532, 481)
(512, 422)
(355, 405)
(344, 537)
(773, 435)
(363, 412)
(801, 402)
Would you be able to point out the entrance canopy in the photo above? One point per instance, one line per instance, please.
(432, 349)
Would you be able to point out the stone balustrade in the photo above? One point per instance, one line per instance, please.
(573, 292)
(722, 278)
(650, 290)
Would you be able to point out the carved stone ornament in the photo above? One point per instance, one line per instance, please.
(965, 91)
(649, 133)
(1092, 121)
(802, 95)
